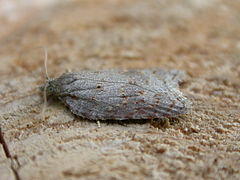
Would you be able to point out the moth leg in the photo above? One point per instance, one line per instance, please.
(98, 124)
(122, 123)
(68, 70)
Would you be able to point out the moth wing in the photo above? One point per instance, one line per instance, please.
(172, 77)
(119, 95)
(114, 101)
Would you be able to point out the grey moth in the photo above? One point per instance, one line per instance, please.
(121, 95)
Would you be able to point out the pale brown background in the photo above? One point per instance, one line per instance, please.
(201, 37)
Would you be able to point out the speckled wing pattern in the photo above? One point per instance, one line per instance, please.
(119, 95)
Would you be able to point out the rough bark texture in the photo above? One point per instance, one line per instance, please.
(200, 37)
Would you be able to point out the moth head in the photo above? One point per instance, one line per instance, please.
(51, 88)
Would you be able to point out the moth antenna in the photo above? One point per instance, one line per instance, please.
(45, 87)
(47, 76)
(45, 58)
(45, 62)
(44, 102)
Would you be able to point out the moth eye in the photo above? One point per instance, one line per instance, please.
(50, 88)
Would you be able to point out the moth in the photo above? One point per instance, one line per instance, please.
(121, 95)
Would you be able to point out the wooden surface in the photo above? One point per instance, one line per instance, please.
(199, 37)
